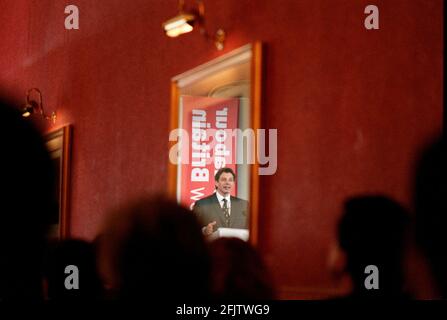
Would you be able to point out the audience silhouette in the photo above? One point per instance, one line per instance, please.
(373, 231)
(157, 252)
(77, 253)
(431, 211)
(238, 271)
(27, 198)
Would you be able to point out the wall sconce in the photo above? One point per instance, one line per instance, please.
(32, 107)
(184, 22)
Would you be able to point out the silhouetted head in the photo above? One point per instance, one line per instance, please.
(238, 272)
(431, 210)
(159, 252)
(72, 263)
(26, 201)
(372, 231)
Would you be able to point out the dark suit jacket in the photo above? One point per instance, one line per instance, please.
(208, 210)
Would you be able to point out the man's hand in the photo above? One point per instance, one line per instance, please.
(209, 228)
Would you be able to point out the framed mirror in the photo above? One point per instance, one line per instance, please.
(59, 146)
(215, 114)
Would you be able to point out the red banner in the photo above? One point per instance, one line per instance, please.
(209, 145)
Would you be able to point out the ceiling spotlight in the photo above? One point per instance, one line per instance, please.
(32, 107)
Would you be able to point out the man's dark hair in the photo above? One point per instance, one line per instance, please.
(222, 170)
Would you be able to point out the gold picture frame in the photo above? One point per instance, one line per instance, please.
(59, 146)
(208, 75)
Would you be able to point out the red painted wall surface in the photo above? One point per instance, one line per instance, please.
(351, 106)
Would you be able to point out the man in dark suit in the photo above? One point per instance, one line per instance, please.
(221, 210)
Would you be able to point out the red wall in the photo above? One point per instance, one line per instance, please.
(351, 106)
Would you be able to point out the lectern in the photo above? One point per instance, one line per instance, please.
(229, 233)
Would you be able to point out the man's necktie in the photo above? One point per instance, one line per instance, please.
(226, 213)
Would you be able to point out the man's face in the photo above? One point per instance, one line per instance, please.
(225, 183)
